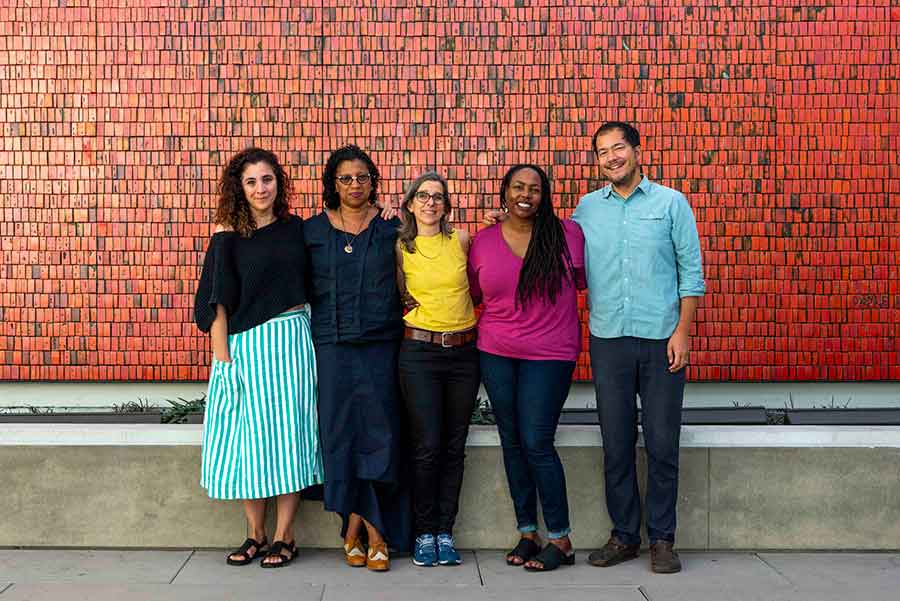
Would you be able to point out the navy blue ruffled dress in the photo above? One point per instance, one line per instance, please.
(357, 326)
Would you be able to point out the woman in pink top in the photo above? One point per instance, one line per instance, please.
(526, 271)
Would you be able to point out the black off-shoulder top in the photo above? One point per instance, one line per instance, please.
(254, 278)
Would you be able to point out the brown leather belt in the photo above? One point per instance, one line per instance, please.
(444, 339)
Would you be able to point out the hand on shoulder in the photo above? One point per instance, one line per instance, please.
(465, 239)
(493, 217)
(388, 212)
(221, 227)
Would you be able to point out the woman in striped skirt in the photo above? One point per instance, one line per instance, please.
(260, 434)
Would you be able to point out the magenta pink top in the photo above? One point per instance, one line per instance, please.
(540, 331)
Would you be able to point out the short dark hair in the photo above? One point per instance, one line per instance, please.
(350, 152)
(628, 131)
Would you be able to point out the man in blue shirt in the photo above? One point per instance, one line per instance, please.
(645, 277)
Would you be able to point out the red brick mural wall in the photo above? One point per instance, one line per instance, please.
(777, 118)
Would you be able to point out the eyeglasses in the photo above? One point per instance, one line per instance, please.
(424, 197)
(346, 180)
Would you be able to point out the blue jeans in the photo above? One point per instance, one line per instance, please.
(623, 368)
(527, 397)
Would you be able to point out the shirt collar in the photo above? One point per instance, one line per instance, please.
(643, 186)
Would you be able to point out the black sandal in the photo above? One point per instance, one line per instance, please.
(275, 551)
(525, 550)
(258, 548)
(550, 558)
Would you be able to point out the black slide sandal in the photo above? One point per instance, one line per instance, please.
(525, 550)
(275, 551)
(551, 557)
(244, 549)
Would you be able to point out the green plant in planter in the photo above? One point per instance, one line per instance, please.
(483, 414)
(180, 409)
(776, 417)
(138, 406)
(789, 404)
(834, 404)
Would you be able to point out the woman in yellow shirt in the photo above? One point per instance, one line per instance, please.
(438, 364)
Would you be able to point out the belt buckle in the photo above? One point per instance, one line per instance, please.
(443, 340)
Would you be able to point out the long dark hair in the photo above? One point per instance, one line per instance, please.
(409, 230)
(548, 262)
(233, 209)
(350, 152)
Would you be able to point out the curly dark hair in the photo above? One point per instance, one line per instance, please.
(547, 261)
(409, 230)
(234, 210)
(350, 152)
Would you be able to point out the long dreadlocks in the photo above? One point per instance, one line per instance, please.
(548, 262)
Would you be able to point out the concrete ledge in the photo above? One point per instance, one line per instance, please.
(870, 437)
(741, 488)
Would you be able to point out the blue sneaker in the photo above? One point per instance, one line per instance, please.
(447, 554)
(425, 553)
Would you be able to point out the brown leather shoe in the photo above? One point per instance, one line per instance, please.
(355, 553)
(615, 551)
(663, 558)
(378, 559)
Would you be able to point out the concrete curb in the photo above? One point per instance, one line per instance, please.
(871, 437)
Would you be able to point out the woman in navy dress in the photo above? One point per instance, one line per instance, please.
(357, 325)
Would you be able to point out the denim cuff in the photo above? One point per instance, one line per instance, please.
(628, 540)
(527, 529)
(668, 539)
(559, 533)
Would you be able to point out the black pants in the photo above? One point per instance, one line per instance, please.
(623, 368)
(439, 387)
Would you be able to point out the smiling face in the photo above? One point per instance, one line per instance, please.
(260, 187)
(353, 194)
(523, 196)
(620, 162)
(429, 204)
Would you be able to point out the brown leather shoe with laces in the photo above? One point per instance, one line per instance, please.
(354, 553)
(663, 558)
(378, 559)
(615, 551)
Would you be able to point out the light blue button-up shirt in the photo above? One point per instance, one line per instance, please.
(642, 255)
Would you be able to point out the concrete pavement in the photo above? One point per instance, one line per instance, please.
(320, 575)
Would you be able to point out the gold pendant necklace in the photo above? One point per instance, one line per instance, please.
(348, 247)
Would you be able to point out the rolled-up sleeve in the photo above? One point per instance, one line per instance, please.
(688, 257)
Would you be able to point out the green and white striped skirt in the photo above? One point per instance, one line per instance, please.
(261, 426)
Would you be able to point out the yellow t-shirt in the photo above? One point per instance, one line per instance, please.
(436, 277)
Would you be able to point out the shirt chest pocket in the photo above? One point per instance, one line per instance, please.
(654, 226)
